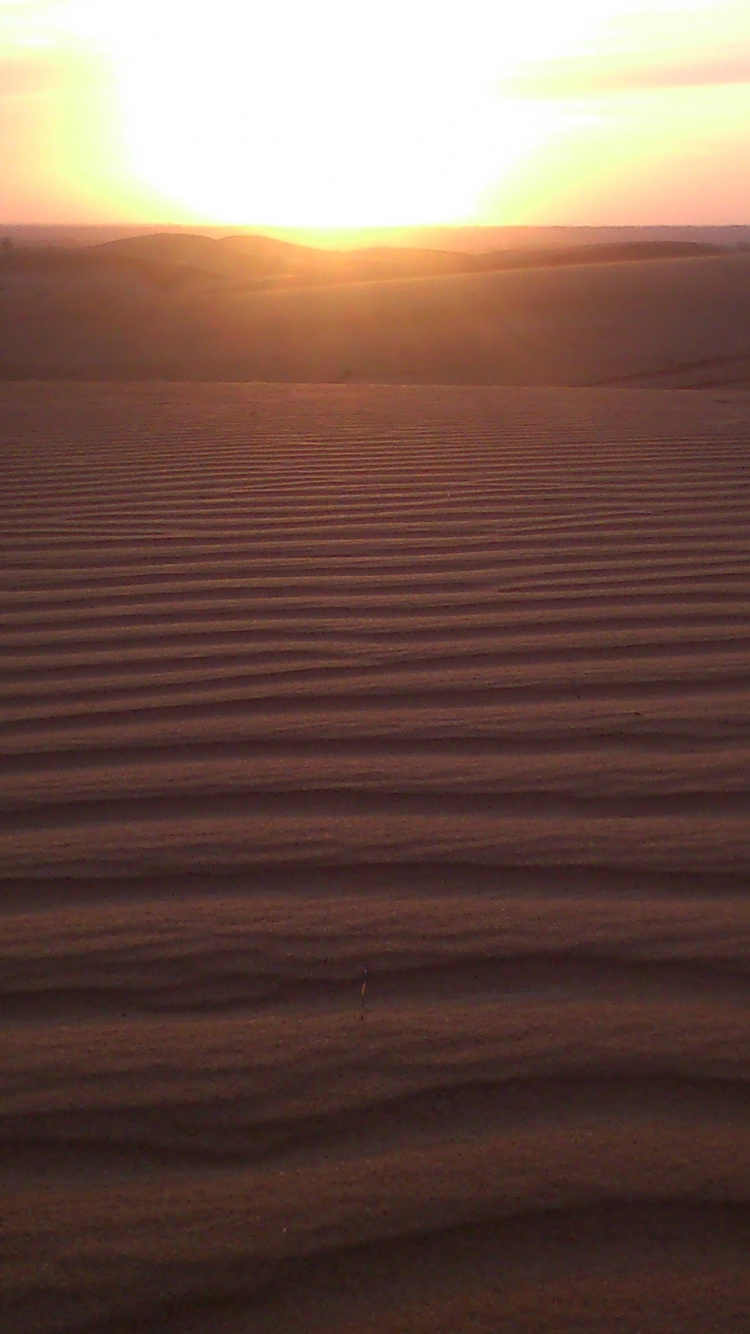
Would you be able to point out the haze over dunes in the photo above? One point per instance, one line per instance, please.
(374, 839)
(257, 308)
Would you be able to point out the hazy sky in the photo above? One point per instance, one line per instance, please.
(347, 112)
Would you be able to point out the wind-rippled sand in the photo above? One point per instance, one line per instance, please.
(375, 846)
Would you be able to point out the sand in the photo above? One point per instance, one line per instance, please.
(676, 323)
(374, 845)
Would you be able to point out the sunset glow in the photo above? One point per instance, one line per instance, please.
(330, 114)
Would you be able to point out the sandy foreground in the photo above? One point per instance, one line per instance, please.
(375, 844)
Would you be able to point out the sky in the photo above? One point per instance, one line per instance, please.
(347, 113)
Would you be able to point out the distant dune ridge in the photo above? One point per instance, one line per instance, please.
(375, 840)
(193, 307)
(465, 239)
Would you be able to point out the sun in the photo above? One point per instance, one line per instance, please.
(325, 113)
(319, 116)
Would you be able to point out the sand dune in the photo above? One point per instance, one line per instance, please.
(281, 261)
(668, 323)
(374, 844)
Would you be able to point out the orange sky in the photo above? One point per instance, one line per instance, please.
(334, 113)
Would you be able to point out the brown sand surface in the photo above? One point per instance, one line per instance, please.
(666, 323)
(375, 852)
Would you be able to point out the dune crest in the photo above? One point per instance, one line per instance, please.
(255, 309)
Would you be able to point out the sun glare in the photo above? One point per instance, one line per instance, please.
(320, 115)
(329, 114)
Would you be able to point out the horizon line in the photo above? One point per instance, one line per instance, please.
(378, 227)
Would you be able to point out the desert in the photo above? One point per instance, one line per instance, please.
(639, 312)
(374, 804)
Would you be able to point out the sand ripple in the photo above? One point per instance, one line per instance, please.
(374, 832)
